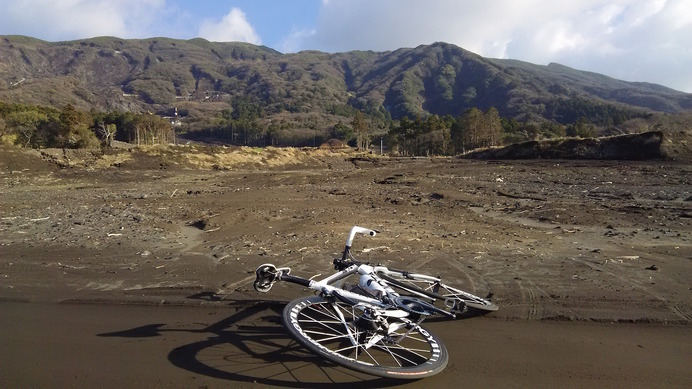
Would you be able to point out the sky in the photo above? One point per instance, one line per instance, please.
(632, 40)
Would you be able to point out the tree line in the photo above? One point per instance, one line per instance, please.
(447, 135)
(41, 127)
(245, 123)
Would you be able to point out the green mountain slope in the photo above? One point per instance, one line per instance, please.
(203, 78)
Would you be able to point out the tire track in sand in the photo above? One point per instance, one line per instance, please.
(681, 311)
(534, 311)
(685, 312)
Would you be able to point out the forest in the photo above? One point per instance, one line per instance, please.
(436, 99)
(44, 127)
(244, 124)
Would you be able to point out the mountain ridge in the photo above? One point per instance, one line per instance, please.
(310, 88)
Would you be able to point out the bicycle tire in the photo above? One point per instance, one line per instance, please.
(439, 292)
(314, 323)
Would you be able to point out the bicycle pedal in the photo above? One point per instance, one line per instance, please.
(262, 287)
(265, 277)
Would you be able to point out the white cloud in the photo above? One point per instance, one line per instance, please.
(636, 40)
(294, 40)
(232, 27)
(56, 20)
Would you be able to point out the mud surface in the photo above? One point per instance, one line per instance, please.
(577, 244)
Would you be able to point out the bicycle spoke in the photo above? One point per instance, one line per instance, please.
(374, 360)
(333, 327)
(396, 357)
(409, 349)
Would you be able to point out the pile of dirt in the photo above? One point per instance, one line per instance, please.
(334, 144)
(194, 157)
(15, 161)
(644, 146)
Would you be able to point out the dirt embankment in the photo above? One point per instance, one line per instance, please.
(652, 145)
(186, 157)
(645, 146)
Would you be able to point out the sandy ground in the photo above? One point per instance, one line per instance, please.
(122, 346)
(588, 261)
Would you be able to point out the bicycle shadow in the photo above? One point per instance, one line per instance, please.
(251, 345)
(469, 314)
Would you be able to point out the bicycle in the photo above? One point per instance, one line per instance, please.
(373, 326)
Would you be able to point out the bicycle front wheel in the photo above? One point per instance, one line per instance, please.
(335, 331)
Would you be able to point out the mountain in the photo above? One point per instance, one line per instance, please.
(311, 89)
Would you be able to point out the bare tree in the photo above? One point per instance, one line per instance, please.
(106, 133)
(360, 127)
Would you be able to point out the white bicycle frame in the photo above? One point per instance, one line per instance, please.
(450, 303)
(325, 287)
(386, 303)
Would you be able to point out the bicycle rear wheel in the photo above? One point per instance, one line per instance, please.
(409, 352)
(437, 291)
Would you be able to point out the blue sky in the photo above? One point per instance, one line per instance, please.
(633, 40)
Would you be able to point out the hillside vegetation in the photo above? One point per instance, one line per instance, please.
(245, 94)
